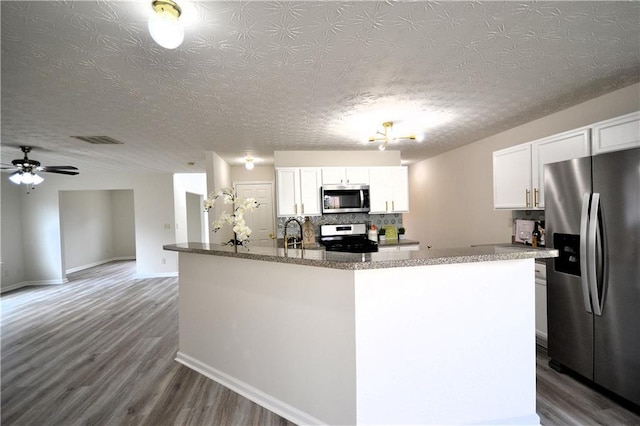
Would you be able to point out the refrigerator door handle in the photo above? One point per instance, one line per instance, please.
(591, 253)
(584, 273)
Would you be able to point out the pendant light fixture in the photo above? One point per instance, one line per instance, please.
(164, 26)
(387, 135)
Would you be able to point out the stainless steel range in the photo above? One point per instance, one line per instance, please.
(347, 238)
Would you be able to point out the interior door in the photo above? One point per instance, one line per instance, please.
(261, 220)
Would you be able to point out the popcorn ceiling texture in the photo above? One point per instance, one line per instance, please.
(261, 76)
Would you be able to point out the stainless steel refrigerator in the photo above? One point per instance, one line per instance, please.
(592, 212)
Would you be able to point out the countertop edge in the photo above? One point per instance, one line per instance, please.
(431, 257)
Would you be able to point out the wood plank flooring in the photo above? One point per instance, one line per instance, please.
(100, 350)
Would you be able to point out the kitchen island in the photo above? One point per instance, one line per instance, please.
(402, 337)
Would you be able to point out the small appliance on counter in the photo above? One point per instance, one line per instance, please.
(347, 238)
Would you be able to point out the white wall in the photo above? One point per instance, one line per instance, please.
(336, 158)
(40, 227)
(124, 224)
(258, 174)
(194, 183)
(11, 249)
(96, 227)
(451, 195)
(218, 176)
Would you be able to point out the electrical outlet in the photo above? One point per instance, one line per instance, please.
(167, 226)
(164, 261)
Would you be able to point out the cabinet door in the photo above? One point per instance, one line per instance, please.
(379, 190)
(399, 177)
(561, 147)
(512, 177)
(617, 134)
(389, 189)
(357, 175)
(288, 190)
(310, 183)
(333, 176)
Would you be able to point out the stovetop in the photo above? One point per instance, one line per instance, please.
(351, 238)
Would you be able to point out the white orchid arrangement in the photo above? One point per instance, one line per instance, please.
(236, 219)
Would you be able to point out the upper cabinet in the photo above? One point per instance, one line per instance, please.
(565, 146)
(298, 191)
(617, 133)
(518, 172)
(389, 189)
(345, 175)
(512, 177)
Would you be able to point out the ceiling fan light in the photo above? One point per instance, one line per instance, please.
(16, 178)
(37, 179)
(27, 178)
(164, 26)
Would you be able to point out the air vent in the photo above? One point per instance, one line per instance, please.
(98, 140)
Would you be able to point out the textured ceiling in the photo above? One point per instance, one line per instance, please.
(262, 76)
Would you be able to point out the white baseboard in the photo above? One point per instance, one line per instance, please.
(156, 275)
(32, 283)
(541, 339)
(99, 262)
(263, 399)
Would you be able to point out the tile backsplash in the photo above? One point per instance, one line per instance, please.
(336, 219)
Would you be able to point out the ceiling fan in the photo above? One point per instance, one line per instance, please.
(25, 169)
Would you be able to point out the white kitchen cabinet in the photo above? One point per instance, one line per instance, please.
(399, 247)
(345, 175)
(512, 177)
(616, 134)
(389, 189)
(565, 146)
(298, 191)
(518, 171)
(541, 301)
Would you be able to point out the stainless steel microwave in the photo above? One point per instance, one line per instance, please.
(345, 199)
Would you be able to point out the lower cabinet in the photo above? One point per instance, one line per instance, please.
(541, 302)
(399, 247)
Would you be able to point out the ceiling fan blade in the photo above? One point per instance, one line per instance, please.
(7, 167)
(62, 172)
(50, 168)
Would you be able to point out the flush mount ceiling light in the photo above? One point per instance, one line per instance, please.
(164, 26)
(387, 135)
(248, 163)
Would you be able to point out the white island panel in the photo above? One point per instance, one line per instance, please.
(446, 344)
(282, 335)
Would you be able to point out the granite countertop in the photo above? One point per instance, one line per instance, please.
(358, 261)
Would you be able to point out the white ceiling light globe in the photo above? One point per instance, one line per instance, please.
(166, 30)
(27, 178)
(37, 179)
(16, 178)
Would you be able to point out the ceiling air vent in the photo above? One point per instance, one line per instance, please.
(99, 140)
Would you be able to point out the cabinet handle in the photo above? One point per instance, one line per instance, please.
(302, 208)
(526, 197)
(393, 206)
(535, 197)
(386, 206)
(295, 209)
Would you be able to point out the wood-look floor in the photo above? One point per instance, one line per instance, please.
(100, 350)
